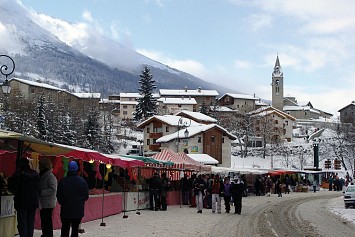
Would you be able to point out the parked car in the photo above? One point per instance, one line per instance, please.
(136, 152)
(349, 196)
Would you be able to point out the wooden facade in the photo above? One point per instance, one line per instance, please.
(212, 143)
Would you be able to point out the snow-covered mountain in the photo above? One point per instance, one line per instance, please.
(109, 68)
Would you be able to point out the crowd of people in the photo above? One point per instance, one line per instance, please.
(41, 190)
(202, 191)
(206, 191)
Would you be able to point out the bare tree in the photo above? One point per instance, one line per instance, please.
(269, 129)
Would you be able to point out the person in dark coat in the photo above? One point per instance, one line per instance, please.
(199, 189)
(72, 193)
(287, 185)
(185, 187)
(25, 184)
(237, 190)
(165, 183)
(227, 194)
(257, 186)
(154, 191)
(47, 196)
(278, 187)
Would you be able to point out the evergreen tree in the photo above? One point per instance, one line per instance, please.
(146, 106)
(107, 146)
(52, 117)
(20, 115)
(69, 133)
(204, 108)
(92, 130)
(41, 117)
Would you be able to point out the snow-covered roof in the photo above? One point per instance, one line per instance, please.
(129, 102)
(88, 95)
(197, 116)
(351, 104)
(300, 108)
(185, 101)
(197, 92)
(261, 103)
(296, 108)
(37, 84)
(241, 96)
(269, 109)
(292, 101)
(203, 158)
(107, 101)
(171, 120)
(193, 130)
(222, 109)
(130, 95)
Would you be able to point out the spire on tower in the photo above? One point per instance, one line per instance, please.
(277, 69)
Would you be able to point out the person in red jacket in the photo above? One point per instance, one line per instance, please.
(72, 193)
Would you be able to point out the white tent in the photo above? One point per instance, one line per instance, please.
(204, 159)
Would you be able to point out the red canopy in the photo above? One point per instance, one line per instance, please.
(88, 155)
(281, 172)
(124, 161)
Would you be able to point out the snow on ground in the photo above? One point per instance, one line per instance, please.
(337, 207)
(178, 222)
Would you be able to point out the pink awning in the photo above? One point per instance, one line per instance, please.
(178, 160)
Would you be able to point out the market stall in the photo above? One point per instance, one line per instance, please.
(94, 166)
(8, 224)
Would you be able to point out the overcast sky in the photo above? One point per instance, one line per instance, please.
(232, 42)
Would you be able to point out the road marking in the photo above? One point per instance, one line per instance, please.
(272, 229)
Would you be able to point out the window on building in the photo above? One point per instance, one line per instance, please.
(222, 139)
(213, 139)
(32, 90)
(286, 122)
(199, 140)
(124, 112)
(148, 141)
(155, 129)
(148, 129)
(276, 121)
(125, 106)
(154, 141)
(305, 113)
(167, 129)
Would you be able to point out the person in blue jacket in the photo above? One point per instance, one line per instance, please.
(72, 193)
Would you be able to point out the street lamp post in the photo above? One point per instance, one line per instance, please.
(6, 70)
(181, 124)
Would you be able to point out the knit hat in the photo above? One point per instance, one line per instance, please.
(73, 166)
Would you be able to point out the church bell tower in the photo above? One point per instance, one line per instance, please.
(277, 85)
